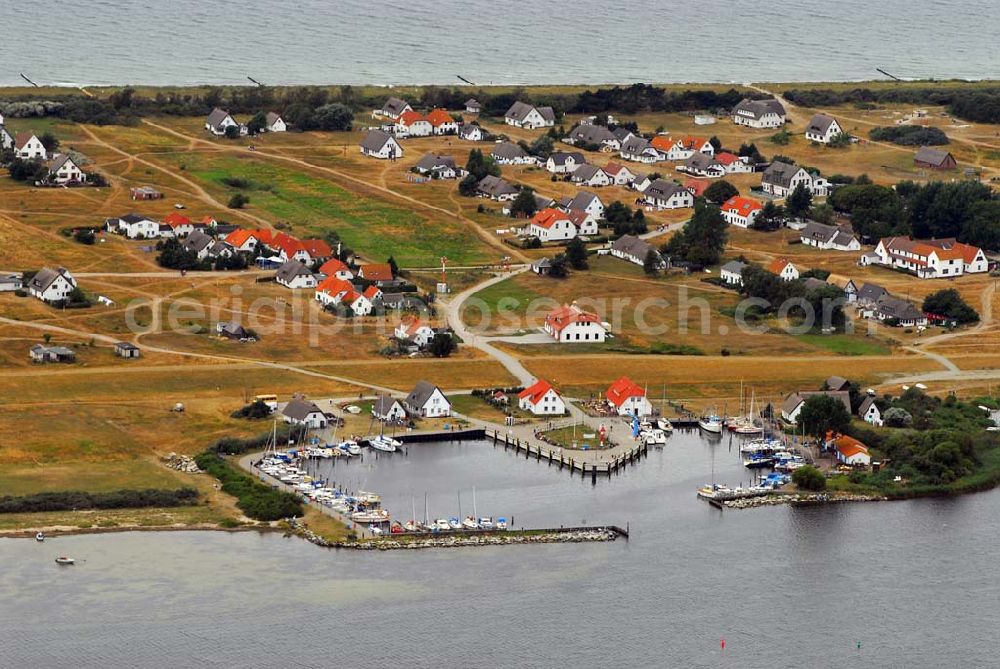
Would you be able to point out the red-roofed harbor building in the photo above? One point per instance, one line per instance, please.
(628, 399)
(569, 323)
(541, 399)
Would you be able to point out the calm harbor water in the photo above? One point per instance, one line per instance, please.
(912, 581)
(534, 41)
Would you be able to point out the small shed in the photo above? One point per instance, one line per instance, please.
(934, 159)
(124, 349)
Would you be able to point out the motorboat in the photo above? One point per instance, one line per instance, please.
(40, 536)
(758, 461)
(486, 523)
(383, 443)
(470, 523)
(63, 559)
(653, 437)
(747, 427)
(501, 523)
(711, 423)
(442, 524)
(664, 424)
(373, 516)
(411, 526)
(454, 523)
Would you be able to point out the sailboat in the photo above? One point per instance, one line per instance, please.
(384, 443)
(748, 424)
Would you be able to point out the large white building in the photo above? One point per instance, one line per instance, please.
(759, 113)
(780, 179)
(51, 285)
(569, 323)
(523, 115)
(932, 258)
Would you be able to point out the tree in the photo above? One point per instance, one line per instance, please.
(716, 143)
(897, 417)
(799, 201)
(524, 205)
(576, 254)
(840, 140)
(257, 124)
(949, 303)
(442, 345)
(983, 226)
(84, 236)
(557, 268)
(720, 191)
(333, 117)
(651, 263)
(480, 166)
(393, 266)
(49, 141)
(232, 132)
(781, 138)
(809, 478)
(542, 147)
(750, 151)
(822, 213)
(771, 217)
(468, 185)
(823, 413)
(238, 200)
(702, 239)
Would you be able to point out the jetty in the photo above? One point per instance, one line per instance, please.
(570, 460)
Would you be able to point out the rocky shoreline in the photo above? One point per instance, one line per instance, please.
(800, 499)
(508, 538)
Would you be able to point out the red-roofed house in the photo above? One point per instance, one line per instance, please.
(442, 122)
(932, 258)
(551, 225)
(628, 399)
(541, 399)
(412, 124)
(850, 451)
(180, 223)
(741, 211)
(379, 272)
(28, 147)
(784, 269)
(411, 328)
(337, 268)
(697, 187)
(569, 323)
(333, 291)
(734, 164)
(621, 175)
(290, 248)
(244, 241)
(663, 144)
(317, 249)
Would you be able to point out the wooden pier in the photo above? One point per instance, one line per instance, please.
(568, 461)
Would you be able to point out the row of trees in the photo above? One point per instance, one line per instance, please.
(973, 103)
(76, 500)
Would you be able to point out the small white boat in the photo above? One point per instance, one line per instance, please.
(62, 559)
(654, 438)
(664, 424)
(486, 523)
(373, 516)
(454, 523)
(442, 524)
(711, 423)
(383, 443)
(350, 446)
(501, 523)
(470, 523)
(411, 526)
(40, 536)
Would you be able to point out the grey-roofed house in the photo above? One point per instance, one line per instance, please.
(901, 312)
(586, 202)
(427, 401)
(541, 266)
(200, 243)
(473, 106)
(822, 128)
(442, 167)
(767, 113)
(634, 250)
(51, 285)
(303, 412)
(10, 282)
(232, 330)
(543, 202)
(869, 411)
(393, 108)
(63, 169)
(471, 132)
(587, 134)
(219, 119)
(275, 123)
(829, 237)
(934, 159)
(702, 165)
(591, 175)
(563, 162)
(124, 349)
(837, 383)
(870, 294)
(792, 405)
(639, 150)
(523, 115)
(732, 272)
(664, 194)
(508, 153)
(44, 353)
(293, 274)
(380, 144)
(780, 179)
(388, 409)
(496, 188)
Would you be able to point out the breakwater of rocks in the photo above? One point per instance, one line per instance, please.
(459, 540)
(800, 499)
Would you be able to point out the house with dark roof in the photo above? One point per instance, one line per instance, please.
(590, 134)
(64, 170)
(508, 153)
(869, 412)
(133, 226)
(472, 132)
(6, 139)
(793, 404)
(219, 120)
(829, 237)
(473, 106)
(767, 113)
(427, 401)
(51, 285)
(584, 201)
(780, 179)
(496, 188)
(523, 115)
(294, 274)
(10, 282)
(380, 144)
(42, 353)
(274, 122)
(563, 162)
(440, 167)
(306, 413)
(233, 330)
(639, 150)
(934, 159)
(869, 294)
(124, 349)
(591, 175)
(898, 311)
(393, 108)
(663, 194)
(732, 272)
(634, 250)
(702, 165)
(822, 128)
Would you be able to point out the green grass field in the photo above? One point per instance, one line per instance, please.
(846, 344)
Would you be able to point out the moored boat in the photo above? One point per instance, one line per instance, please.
(470, 523)
(40, 536)
(63, 559)
(711, 423)
(383, 443)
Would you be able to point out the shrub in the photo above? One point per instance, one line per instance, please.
(910, 135)
(118, 499)
(238, 201)
(255, 499)
(808, 477)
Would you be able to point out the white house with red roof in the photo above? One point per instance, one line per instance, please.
(412, 329)
(379, 272)
(783, 269)
(569, 323)
(179, 223)
(734, 164)
(27, 146)
(332, 291)
(685, 147)
(337, 268)
(413, 124)
(932, 258)
(553, 225)
(541, 399)
(620, 175)
(442, 122)
(628, 399)
(741, 211)
(852, 452)
(243, 241)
